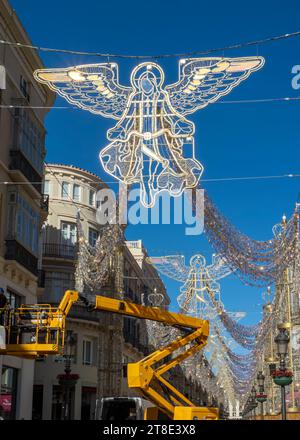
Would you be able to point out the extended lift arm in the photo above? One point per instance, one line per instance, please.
(43, 328)
(147, 377)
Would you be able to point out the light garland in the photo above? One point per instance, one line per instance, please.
(198, 297)
(257, 263)
(94, 264)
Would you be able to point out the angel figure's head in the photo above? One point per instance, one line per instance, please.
(147, 78)
(197, 261)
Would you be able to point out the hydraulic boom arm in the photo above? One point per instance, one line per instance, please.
(39, 329)
(146, 376)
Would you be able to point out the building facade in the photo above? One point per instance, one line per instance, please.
(69, 189)
(23, 207)
(104, 343)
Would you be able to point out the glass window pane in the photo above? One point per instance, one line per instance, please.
(65, 190)
(26, 225)
(69, 232)
(29, 139)
(93, 236)
(8, 393)
(65, 231)
(76, 193)
(87, 352)
(46, 187)
(92, 198)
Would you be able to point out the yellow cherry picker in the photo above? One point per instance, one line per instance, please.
(35, 330)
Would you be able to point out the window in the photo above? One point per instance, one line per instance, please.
(37, 402)
(56, 283)
(23, 222)
(130, 331)
(46, 187)
(68, 232)
(125, 362)
(58, 403)
(65, 190)
(87, 352)
(93, 236)
(88, 401)
(8, 392)
(2, 78)
(29, 139)
(14, 300)
(76, 193)
(92, 197)
(24, 87)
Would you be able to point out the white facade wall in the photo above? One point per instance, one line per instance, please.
(18, 65)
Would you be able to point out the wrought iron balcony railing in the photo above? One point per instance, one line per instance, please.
(135, 342)
(59, 250)
(15, 251)
(19, 162)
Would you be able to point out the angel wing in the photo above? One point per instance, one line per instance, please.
(237, 316)
(218, 269)
(92, 87)
(173, 266)
(205, 80)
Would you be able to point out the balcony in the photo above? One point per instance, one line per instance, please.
(59, 250)
(18, 162)
(15, 251)
(132, 339)
(80, 312)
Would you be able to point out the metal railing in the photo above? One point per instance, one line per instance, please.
(19, 162)
(15, 251)
(59, 250)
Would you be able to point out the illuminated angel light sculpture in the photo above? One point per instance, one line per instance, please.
(152, 144)
(196, 278)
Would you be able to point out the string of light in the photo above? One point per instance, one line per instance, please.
(257, 263)
(237, 101)
(258, 42)
(218, 179)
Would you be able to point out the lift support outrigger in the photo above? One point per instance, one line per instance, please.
(39, 329)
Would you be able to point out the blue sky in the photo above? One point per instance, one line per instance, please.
(232, 140)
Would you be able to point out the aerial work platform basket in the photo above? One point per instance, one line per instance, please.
(35, 330)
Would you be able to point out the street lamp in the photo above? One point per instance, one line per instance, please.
(261, 397)
(282, 341)
(282, 377)
(68, 381)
